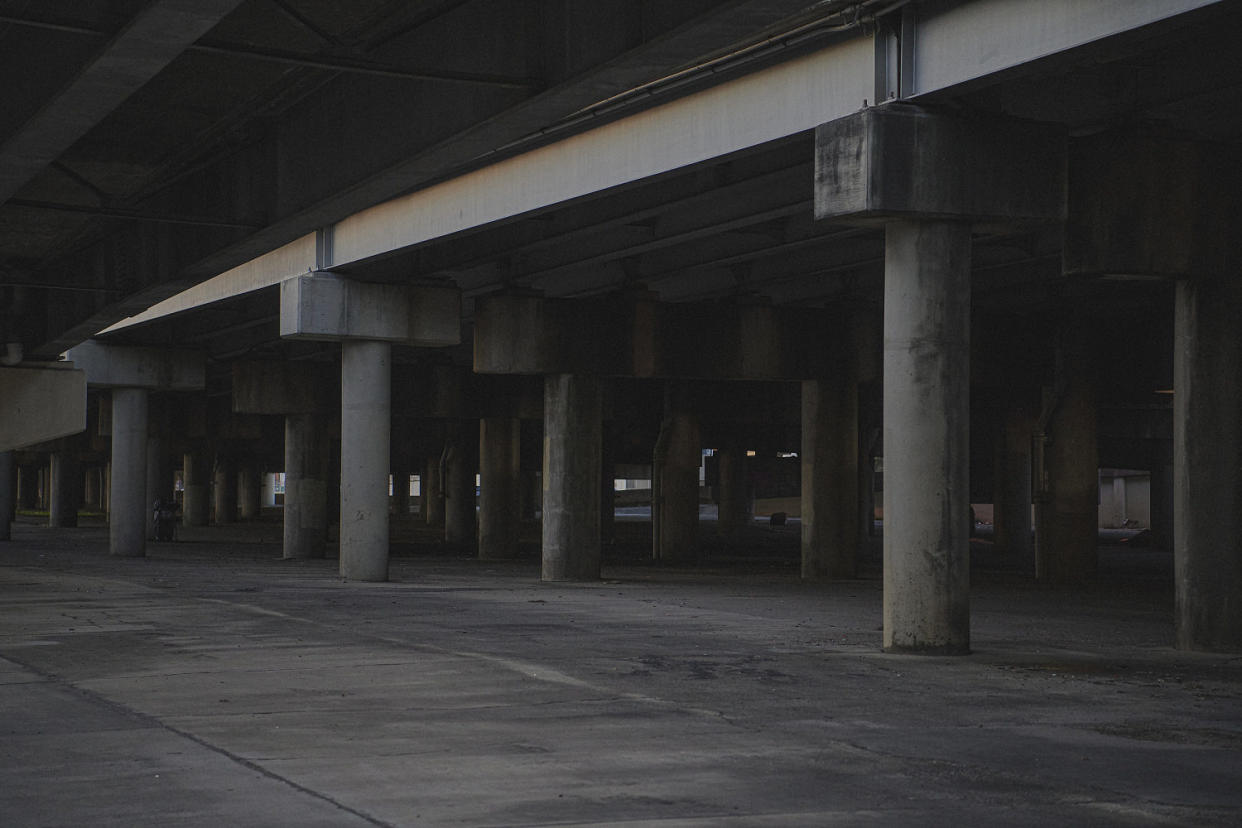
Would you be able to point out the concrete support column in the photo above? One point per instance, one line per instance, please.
(8, 494)
(224, 490)
(106, 492)
(499, 487)
(128, 495)
(196, 489)
(432, 493)
(249, 491)
(27, 486)
(159, 480)
(830, 478)
(1066, 525)
(401, 500)
(1207, 464)
(66, 490)
(675, 482)
(926, 437)
(607, 491)
(91, 487)
(460, 524)
(573, 436)
(45, 483)
(366, 425)
(1011, 506)
(735, 508)
(1162, 489)
(306, 486)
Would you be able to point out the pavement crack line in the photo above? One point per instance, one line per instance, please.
(146, 718)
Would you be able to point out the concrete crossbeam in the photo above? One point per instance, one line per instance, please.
(522, 334)
(41, 403)
(326, 307)
(1151, 206)
(880, 163)
(282, 387)
(155, 369)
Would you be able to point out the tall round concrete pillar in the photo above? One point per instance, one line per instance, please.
(1011, 483)
(829, 460)
(460, 526)
(499, 487)
(366, 432)
(306, 486)
(573, 438)
(8, 494)
(224, 490)
(1207, 465)
(926, 437)
(675, 491)
(66, 490)
(196, 489)
(127, 535)
(1066, 522)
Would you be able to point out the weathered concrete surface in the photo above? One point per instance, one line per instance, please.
(927, 437)
(1207, 448)
(366, 422)
(572, 455)
(215, 684)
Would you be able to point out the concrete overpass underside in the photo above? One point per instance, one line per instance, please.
(992, 243)
(883, 256)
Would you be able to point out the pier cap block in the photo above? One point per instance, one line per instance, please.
(902, 161)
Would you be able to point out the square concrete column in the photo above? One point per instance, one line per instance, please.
(573, 436)
(927, 437)
(306, 486)
(1207, 464)
(499, 487)
(66, 489)
(127, 535)
(8, 493)
(366, 432)
(829, 459)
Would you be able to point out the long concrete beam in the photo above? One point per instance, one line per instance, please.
(156, 35)
(968, 43)
(972, 41)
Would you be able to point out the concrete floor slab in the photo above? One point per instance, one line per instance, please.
(213, 683)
